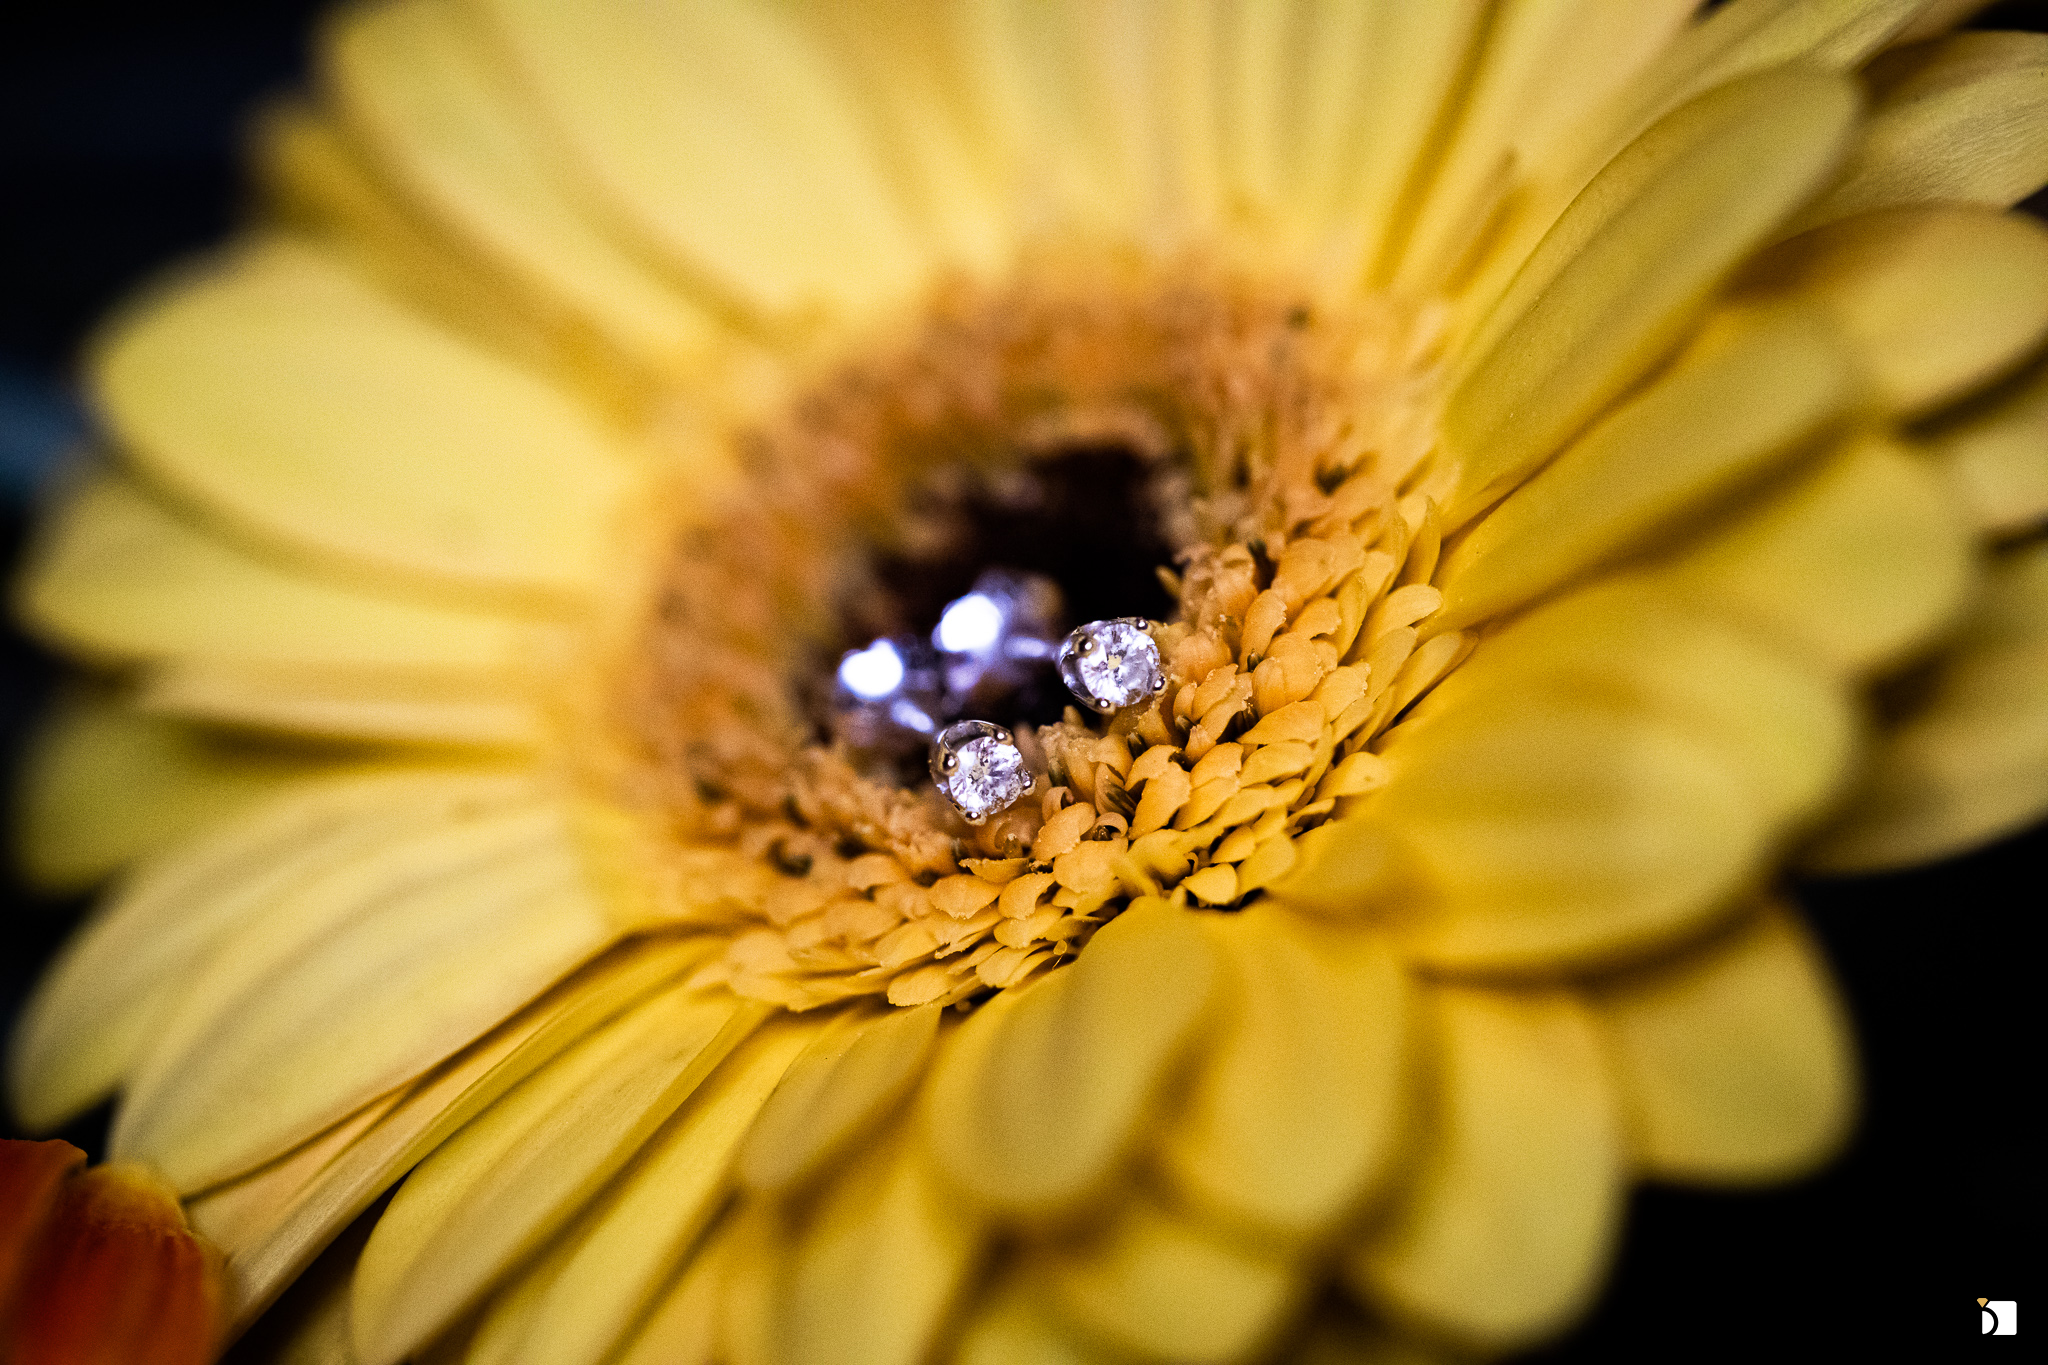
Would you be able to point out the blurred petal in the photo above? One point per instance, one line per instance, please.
(846, 1080)
(1168, 1288)
(1996, 456)
(1040, 1093)
(1936, 300)
(1508, 1227)
(103, 785)
(1294, 1111)
(1964, 119)
(1854, 565)
(1735, 1064)
(281, 392)
(1969, 762)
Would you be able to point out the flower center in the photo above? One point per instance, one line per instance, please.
(1246, 470)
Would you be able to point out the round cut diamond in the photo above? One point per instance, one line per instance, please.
(979, 768)
(1112, 664)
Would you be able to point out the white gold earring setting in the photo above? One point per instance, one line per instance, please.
(1112, 664)
(979, 768)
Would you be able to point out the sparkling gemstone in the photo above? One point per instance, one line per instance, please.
(979, 768)
(1112, 664)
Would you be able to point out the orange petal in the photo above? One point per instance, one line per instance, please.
(31, 1175)
(116, 1277)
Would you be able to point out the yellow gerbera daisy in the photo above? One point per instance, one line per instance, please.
(1576, 459)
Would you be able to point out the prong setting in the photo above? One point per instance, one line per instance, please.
(1111, 664)
(979, 769)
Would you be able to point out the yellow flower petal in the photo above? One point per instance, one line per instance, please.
(1369, 93)
(609, 1267)
(1544, 68)
(415, 82)
(1936, 300)
(872, 1272)
(1996, 456)
(1039, 1094)
(719, 134)
(1294, 1112)
(119, 577)
(495, 1191)
(346, 704)
(1168, 1288)
(1739, 403)
(355, 983)
(272, 1222)
(682, 1327)
(1508, 1227)
(1734, 1065)
(1969, 762)
(1790, 730)
(106, 1000)
(282, 392)
(1853, 566)
(1013, 1327)
(1964, 120)
(104, 784)
(1627, 267)
(847, 1079)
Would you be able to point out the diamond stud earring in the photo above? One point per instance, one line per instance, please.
(1112, 664)
(979, 768)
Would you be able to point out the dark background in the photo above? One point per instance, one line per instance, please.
(118, 153)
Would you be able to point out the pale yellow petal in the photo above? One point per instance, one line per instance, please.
(1995, 456)
(1619, 279)
(1969, 762)
(415, 82)
(120, 577)
(376, 705)
(309, 1326)
(909, 75)
(1734, 1064)
(1166, 1287)
(1374, 80)
(1295, 1110)
(848, 1079)
(104, 784)
(870, 1276)
(1751, 35)
(494, 1192)
(719, 134)
(1593, 785)
(1748, 397)
(1544, 66)
(1854, 565)
(1038, 1095)
(271, 1223)
(1936, 300)
(1013, 1326)
(1789, 726)
(105, 1001)
(609, 1267)
(1962, 120)
(1507, 1230)
(279, 390)
(682, 1327)
(355, 983)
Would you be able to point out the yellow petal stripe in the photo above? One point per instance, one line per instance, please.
(848, 1079)
(1996, 456)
